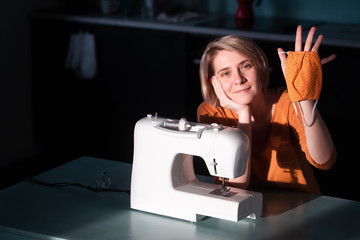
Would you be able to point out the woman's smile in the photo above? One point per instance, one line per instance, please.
(243, 90)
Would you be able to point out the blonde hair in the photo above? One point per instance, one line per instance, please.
(236, 43)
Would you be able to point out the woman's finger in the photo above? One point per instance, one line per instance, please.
(309, 39)
(282, 56)
(317, 43)
(214, 84)
(298, 39)
(328, 59)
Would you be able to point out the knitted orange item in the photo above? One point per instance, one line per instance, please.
(303, 76)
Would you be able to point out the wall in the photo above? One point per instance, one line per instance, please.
(15, 83)
(346, 11)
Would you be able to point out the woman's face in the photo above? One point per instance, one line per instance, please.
(237, 75)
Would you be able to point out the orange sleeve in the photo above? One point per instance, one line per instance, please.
(299, 133)
(207, 113)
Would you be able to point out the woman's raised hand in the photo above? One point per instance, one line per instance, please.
(307, 47)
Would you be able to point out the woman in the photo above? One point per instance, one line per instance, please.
(234, 79)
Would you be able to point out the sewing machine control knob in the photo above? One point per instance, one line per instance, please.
(216, 127)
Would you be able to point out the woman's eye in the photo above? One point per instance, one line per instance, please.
(224, 74)
(246, 66)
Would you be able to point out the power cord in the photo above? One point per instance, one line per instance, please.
(102, 185)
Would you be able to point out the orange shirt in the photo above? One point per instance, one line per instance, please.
(280, 158)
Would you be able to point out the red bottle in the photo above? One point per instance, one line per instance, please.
(245, 10)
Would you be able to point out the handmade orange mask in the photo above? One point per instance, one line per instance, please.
(303, 77)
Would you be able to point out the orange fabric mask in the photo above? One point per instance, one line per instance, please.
(303, 75)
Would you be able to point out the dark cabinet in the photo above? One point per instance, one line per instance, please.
(139, 72)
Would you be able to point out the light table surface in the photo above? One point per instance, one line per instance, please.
(31, 211)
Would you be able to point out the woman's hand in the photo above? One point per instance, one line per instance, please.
(308, 47)
(244, 123)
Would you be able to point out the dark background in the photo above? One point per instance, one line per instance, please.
(49, 116)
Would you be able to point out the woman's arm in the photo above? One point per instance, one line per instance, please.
(318, 139)
(244, 123)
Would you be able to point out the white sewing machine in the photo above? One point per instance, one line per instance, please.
(163, 179)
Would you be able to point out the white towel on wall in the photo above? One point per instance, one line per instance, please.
(81, 55)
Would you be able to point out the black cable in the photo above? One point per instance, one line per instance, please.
(66, 184)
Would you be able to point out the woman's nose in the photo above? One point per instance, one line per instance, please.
(240, 78)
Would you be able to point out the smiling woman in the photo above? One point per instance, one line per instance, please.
(234, 80)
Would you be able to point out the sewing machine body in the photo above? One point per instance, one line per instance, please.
(163, 179)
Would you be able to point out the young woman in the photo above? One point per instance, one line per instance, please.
(234, 79)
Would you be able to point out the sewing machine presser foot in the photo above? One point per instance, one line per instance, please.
(224, 189)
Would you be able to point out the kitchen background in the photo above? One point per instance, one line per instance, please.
(19, 152)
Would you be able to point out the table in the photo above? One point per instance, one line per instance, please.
(31, 211)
